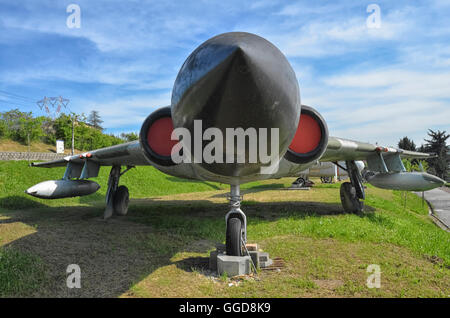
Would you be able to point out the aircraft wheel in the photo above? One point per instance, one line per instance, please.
(233, 239)
(121, 199)
(350, 202)
(326, 179)
(300, 182)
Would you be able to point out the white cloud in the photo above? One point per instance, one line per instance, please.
(396, 83)
(384, 105)
(114, 27)
(141, 46)
(124, 112)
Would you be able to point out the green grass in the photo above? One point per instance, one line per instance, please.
(15, 146)
(17, 176)
(392, 223)
(326, 251)
(21, 274)
(142, 182)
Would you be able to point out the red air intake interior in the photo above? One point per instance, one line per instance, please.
(158, 136)
(308, 135)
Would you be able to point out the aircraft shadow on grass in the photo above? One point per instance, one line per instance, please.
(209, 184)
(117, 253)
(254, 189)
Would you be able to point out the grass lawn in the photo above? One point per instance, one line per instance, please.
(161, 248)
(11, 145)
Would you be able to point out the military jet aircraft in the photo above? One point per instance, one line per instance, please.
(234, 80)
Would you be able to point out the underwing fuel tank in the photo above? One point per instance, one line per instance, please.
(405, 181)
(57, 189)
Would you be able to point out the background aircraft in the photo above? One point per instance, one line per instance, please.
(235, 80)
(326, 171)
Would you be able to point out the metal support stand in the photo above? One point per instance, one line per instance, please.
(254, 269)
(423, 198)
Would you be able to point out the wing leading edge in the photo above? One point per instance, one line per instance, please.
(126, 154)
(385, 168)
(340, 149)
(131, 154)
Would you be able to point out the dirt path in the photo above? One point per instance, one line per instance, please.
(105, 251)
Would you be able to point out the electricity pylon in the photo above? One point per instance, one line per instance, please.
(52, 105)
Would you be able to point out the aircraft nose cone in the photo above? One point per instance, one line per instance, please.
(434, 179)
(31, 191)
(237, 80)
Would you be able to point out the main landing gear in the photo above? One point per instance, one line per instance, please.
(117, 197)
(352, 192)
(236, 222)
(326, 179)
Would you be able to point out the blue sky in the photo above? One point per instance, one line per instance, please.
(374, 85)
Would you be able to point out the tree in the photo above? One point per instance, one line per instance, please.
(3, 129)
(406, 144)
(30, 129)
(72, 128)
(129, 136)
(21, 126)
(415, 165)
(75, 118)
(94, 120)
(11, 122)
(11, 118)
(438, 145)
(63, 129)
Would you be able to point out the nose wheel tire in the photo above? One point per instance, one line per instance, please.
(234, 237)
(349, 199)
(121, 199)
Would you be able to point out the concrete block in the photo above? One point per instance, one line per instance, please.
(233, 265)
(264, 260)
(255, 257)
(263, 256)
(265, 264)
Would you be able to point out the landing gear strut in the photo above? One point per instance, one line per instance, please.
(236, 222)
(117, 198)
(352, 192)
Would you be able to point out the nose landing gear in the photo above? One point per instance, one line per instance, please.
(236, 221)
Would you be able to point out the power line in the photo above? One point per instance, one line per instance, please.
(13, 95)
(14, 98)
(12, 103)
